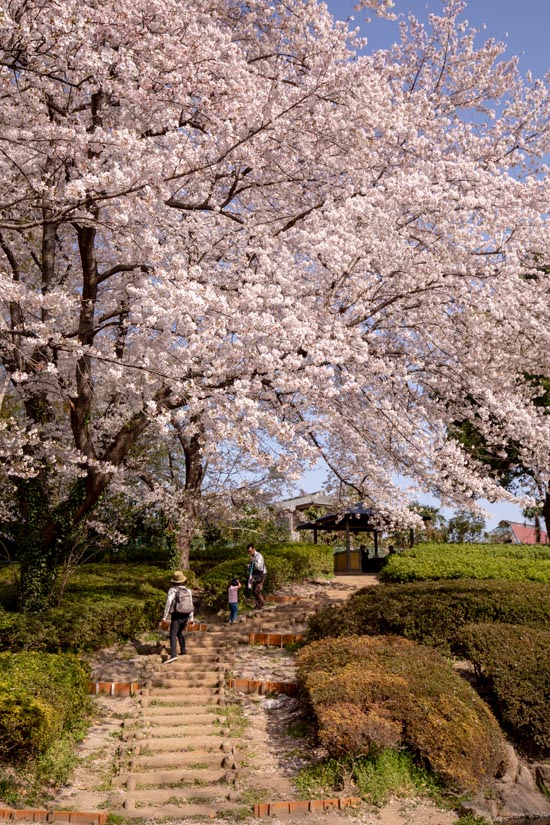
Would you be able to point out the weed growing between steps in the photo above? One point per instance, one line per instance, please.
(376, 778)
(234, 814)
(233, 720)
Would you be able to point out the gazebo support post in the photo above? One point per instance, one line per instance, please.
(376, 544)
(348, 547)
(314, 536)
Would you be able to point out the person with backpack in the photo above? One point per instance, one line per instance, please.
(179, 610)
(257, 572)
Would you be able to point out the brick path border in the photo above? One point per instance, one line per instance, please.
(306, 806)
(274, 639)
(38, 815)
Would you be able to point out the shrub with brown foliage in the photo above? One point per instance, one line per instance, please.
(513, 671)
(374, 692)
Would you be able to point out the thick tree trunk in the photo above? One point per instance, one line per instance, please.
(189, 515)
(186, 529)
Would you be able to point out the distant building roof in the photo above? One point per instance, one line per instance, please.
(304, 501)
(520, 533)
(356, 519)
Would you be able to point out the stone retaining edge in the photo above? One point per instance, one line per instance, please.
(38, 815)
(114, 688)
(306, 806)
(262, 687)
(274, 639)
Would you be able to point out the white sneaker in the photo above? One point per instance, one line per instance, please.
(171, 659)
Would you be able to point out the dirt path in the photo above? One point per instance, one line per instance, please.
(268, 752)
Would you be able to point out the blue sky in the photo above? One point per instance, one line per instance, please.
(524, 25)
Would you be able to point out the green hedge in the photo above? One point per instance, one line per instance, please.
(469, 561)
(103, 604)
(513, 672)
(79, 627)
(370, 693)
(41, 695)
(431, 612)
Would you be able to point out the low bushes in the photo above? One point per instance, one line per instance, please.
(103, 604)
(372, 693)
(79, 627)
(431, 612)
(41, 695)
(513, 671)
(469, 561)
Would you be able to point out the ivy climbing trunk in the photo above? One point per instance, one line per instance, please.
(37, 547)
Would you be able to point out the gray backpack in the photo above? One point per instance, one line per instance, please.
(184, 601)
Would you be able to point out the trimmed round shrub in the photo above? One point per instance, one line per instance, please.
(40, 696)
(513, 671)
(431, 612)
(370, 693)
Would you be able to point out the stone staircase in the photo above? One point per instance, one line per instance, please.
(179, 754)
(177, 757)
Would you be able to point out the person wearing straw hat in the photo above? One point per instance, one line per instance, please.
(179, 610)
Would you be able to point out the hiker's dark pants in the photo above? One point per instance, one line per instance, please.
(257, 587)
(178, 623)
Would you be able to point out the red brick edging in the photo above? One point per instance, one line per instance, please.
(196, 627)
(274, 639)
(263, 687)
(114, 688)
(306, 806)
(34, 815)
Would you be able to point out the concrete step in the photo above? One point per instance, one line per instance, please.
(182, 694)
(187, 711)
(172, 777)
(195, 745)
(192, 664)
(191, 760)
(210, 728)
(196, 795)
(178, 680)
(208, 660)
(188, 714)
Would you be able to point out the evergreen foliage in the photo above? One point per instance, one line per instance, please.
(370, 693)
(432, 612)
(40, 696)
(469, 561)
(513, 672)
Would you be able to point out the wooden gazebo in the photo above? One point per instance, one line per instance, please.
(353, 520)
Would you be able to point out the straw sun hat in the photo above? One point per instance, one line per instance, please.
(178, 577)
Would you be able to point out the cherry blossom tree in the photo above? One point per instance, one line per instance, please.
(227, 222)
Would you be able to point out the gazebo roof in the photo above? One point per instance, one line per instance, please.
(357, 519)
